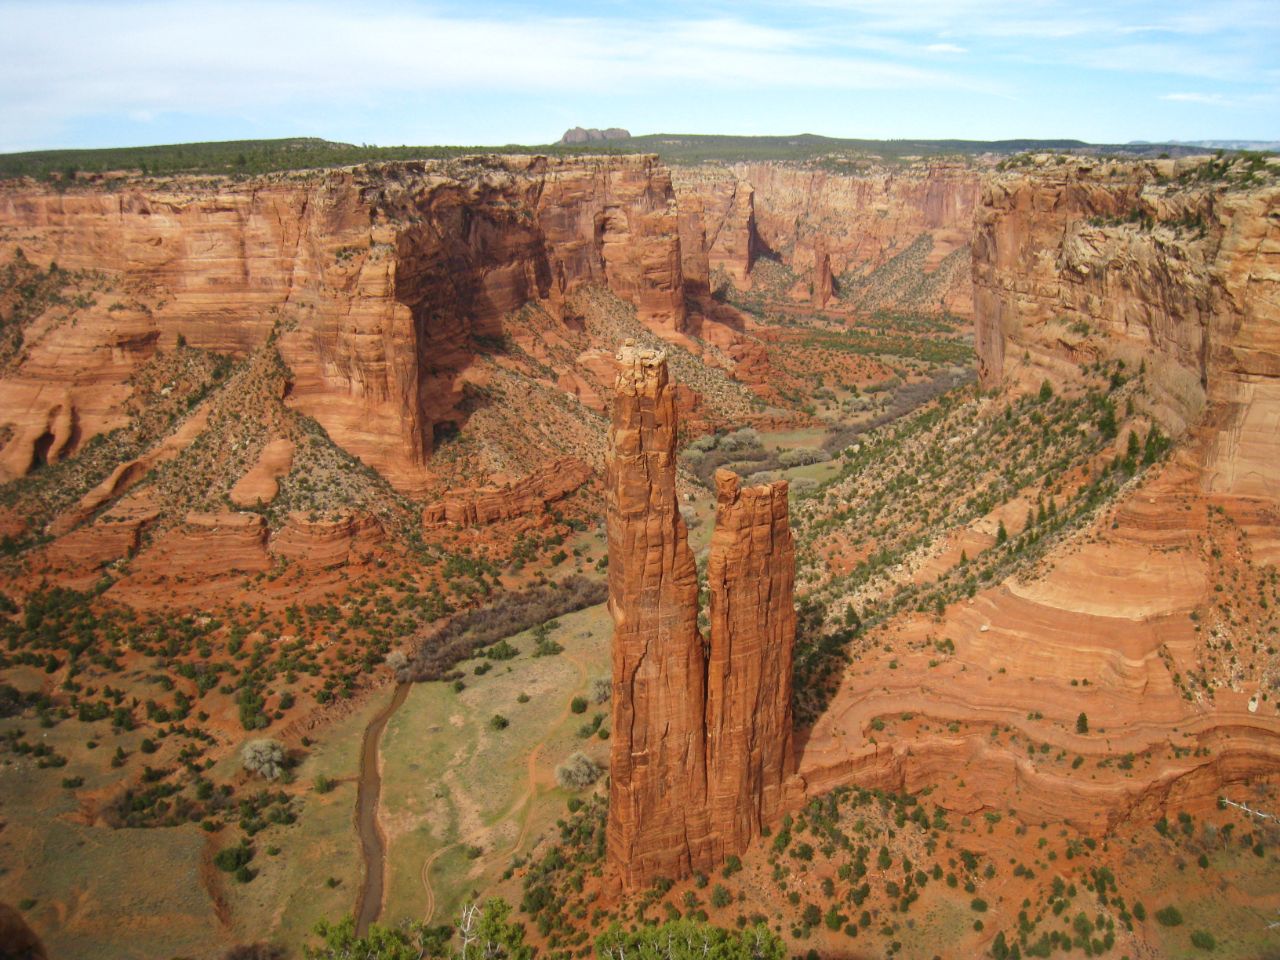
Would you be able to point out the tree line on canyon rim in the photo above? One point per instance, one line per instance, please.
(254, 157)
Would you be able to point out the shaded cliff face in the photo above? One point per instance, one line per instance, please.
(1088, 262)
(376, 283)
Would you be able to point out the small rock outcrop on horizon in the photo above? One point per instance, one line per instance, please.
(701, 746)
(594, 135)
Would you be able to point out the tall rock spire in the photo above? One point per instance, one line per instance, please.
(751, 576)
(701, 744)
(658, 817)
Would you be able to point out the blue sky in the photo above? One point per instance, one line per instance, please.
(90, 74)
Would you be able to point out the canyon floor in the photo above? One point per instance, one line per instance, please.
(1037, 665)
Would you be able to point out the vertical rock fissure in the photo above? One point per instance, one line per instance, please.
(701, 750)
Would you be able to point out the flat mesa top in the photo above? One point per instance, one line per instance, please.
(632, 354)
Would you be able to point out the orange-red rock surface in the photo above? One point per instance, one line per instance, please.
(1099, 261)
(659, 823)
(327, 542)
(751, 579)
(1154, 621)
(375, 281)
(526, 497)
(823, 224)
(260, 484)
(701, 743)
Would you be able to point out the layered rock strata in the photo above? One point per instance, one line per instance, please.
(701, 741)
(1149, 264)
(1174, 268)
(380, 284)
(526, 497)
(899, 235)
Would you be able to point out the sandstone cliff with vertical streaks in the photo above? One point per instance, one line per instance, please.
(1149, 264)
(701, 746)
(751, 576)
(658, 816)
(377, 282)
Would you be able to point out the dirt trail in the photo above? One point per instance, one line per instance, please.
(531, 793)
(368, 790)
(525, 801)
(209, 880)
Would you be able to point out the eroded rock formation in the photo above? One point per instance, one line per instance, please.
(526, 497)
(1171, 267)
(899, 237)
(751, 576)
(701, 743)
(1093, 261)
(659, 824)
(379, 283)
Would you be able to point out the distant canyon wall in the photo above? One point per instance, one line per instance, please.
(863, 232)
(381, 283)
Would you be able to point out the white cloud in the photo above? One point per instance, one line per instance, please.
(280, 66)
(143, 59)
(1212, 99)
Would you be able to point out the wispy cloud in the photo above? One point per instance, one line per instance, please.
(277, 65)
(1211, 99)
(219, 54)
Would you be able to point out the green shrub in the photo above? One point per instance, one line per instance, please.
(231, 859)
(1169, 916)
(1203, 939)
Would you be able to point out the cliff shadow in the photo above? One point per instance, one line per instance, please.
(820, 657)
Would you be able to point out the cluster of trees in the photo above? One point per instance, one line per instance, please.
(487, 933)
(505, 615)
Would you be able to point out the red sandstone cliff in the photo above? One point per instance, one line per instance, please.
(377, 281)
(1173, 268)
(1148, 264)
(899, 235)
(529, 496)
(717, 225)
